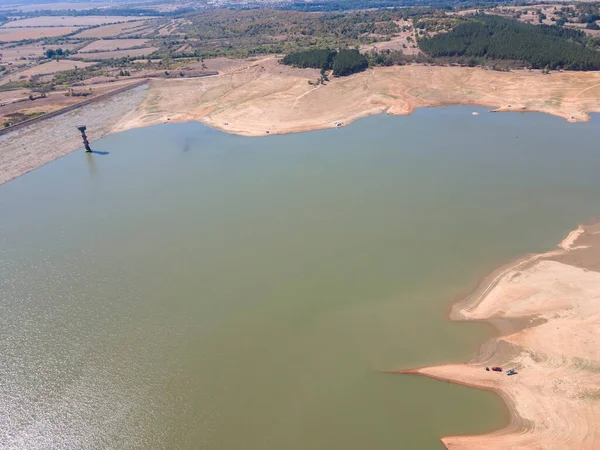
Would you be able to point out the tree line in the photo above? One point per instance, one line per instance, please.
(345, 62)
(354, 5)
(498, 38)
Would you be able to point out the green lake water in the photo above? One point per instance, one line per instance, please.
(194, 289)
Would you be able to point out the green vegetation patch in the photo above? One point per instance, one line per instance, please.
(344, 62)
(497, 38)
(316, 59)
(348, 62)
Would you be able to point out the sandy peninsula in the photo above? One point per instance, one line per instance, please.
(547, 307)
(261, 97)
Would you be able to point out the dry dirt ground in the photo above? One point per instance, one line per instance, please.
(26, 7)
(107, 45)
(554, 399)
(29, 148)
(13, 54)
(67, 21)
(405, 41)
(17, 101)
(111, 30)
(134, 53)
(45, 69)
(7, 97)
(264, 97)
(18, 34)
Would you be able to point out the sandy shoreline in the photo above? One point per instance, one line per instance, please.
(265, 97)
(262, 97)
(554, 400)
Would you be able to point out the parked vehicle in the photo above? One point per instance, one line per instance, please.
(497, 369)
(511, 372)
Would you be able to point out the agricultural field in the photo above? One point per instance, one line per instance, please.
(582, 27)
(30, 7)
(67, 21)
(16, 105)
(20, 34)
(107, 31)
(48, 68)
(147, 30)
(169, 29)
(135, 53)
(13, 96)
(113, 44)
(16, 57)
(32, 51)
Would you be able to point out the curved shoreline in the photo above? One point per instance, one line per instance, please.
(261, 97)
(266, 98)
(555, 402)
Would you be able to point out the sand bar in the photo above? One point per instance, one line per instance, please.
(554, 400)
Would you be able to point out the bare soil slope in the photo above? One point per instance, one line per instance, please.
(266, 96)
(555, 397)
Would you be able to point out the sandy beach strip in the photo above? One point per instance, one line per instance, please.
(554, 400)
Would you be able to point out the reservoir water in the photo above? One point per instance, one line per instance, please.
(194, 289)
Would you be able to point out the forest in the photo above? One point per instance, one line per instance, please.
(316, 59)
(344, 62)
(353, 5)
(498, 38)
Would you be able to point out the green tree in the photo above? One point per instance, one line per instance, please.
(348, 62)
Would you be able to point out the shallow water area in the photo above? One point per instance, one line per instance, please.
(187, 288)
